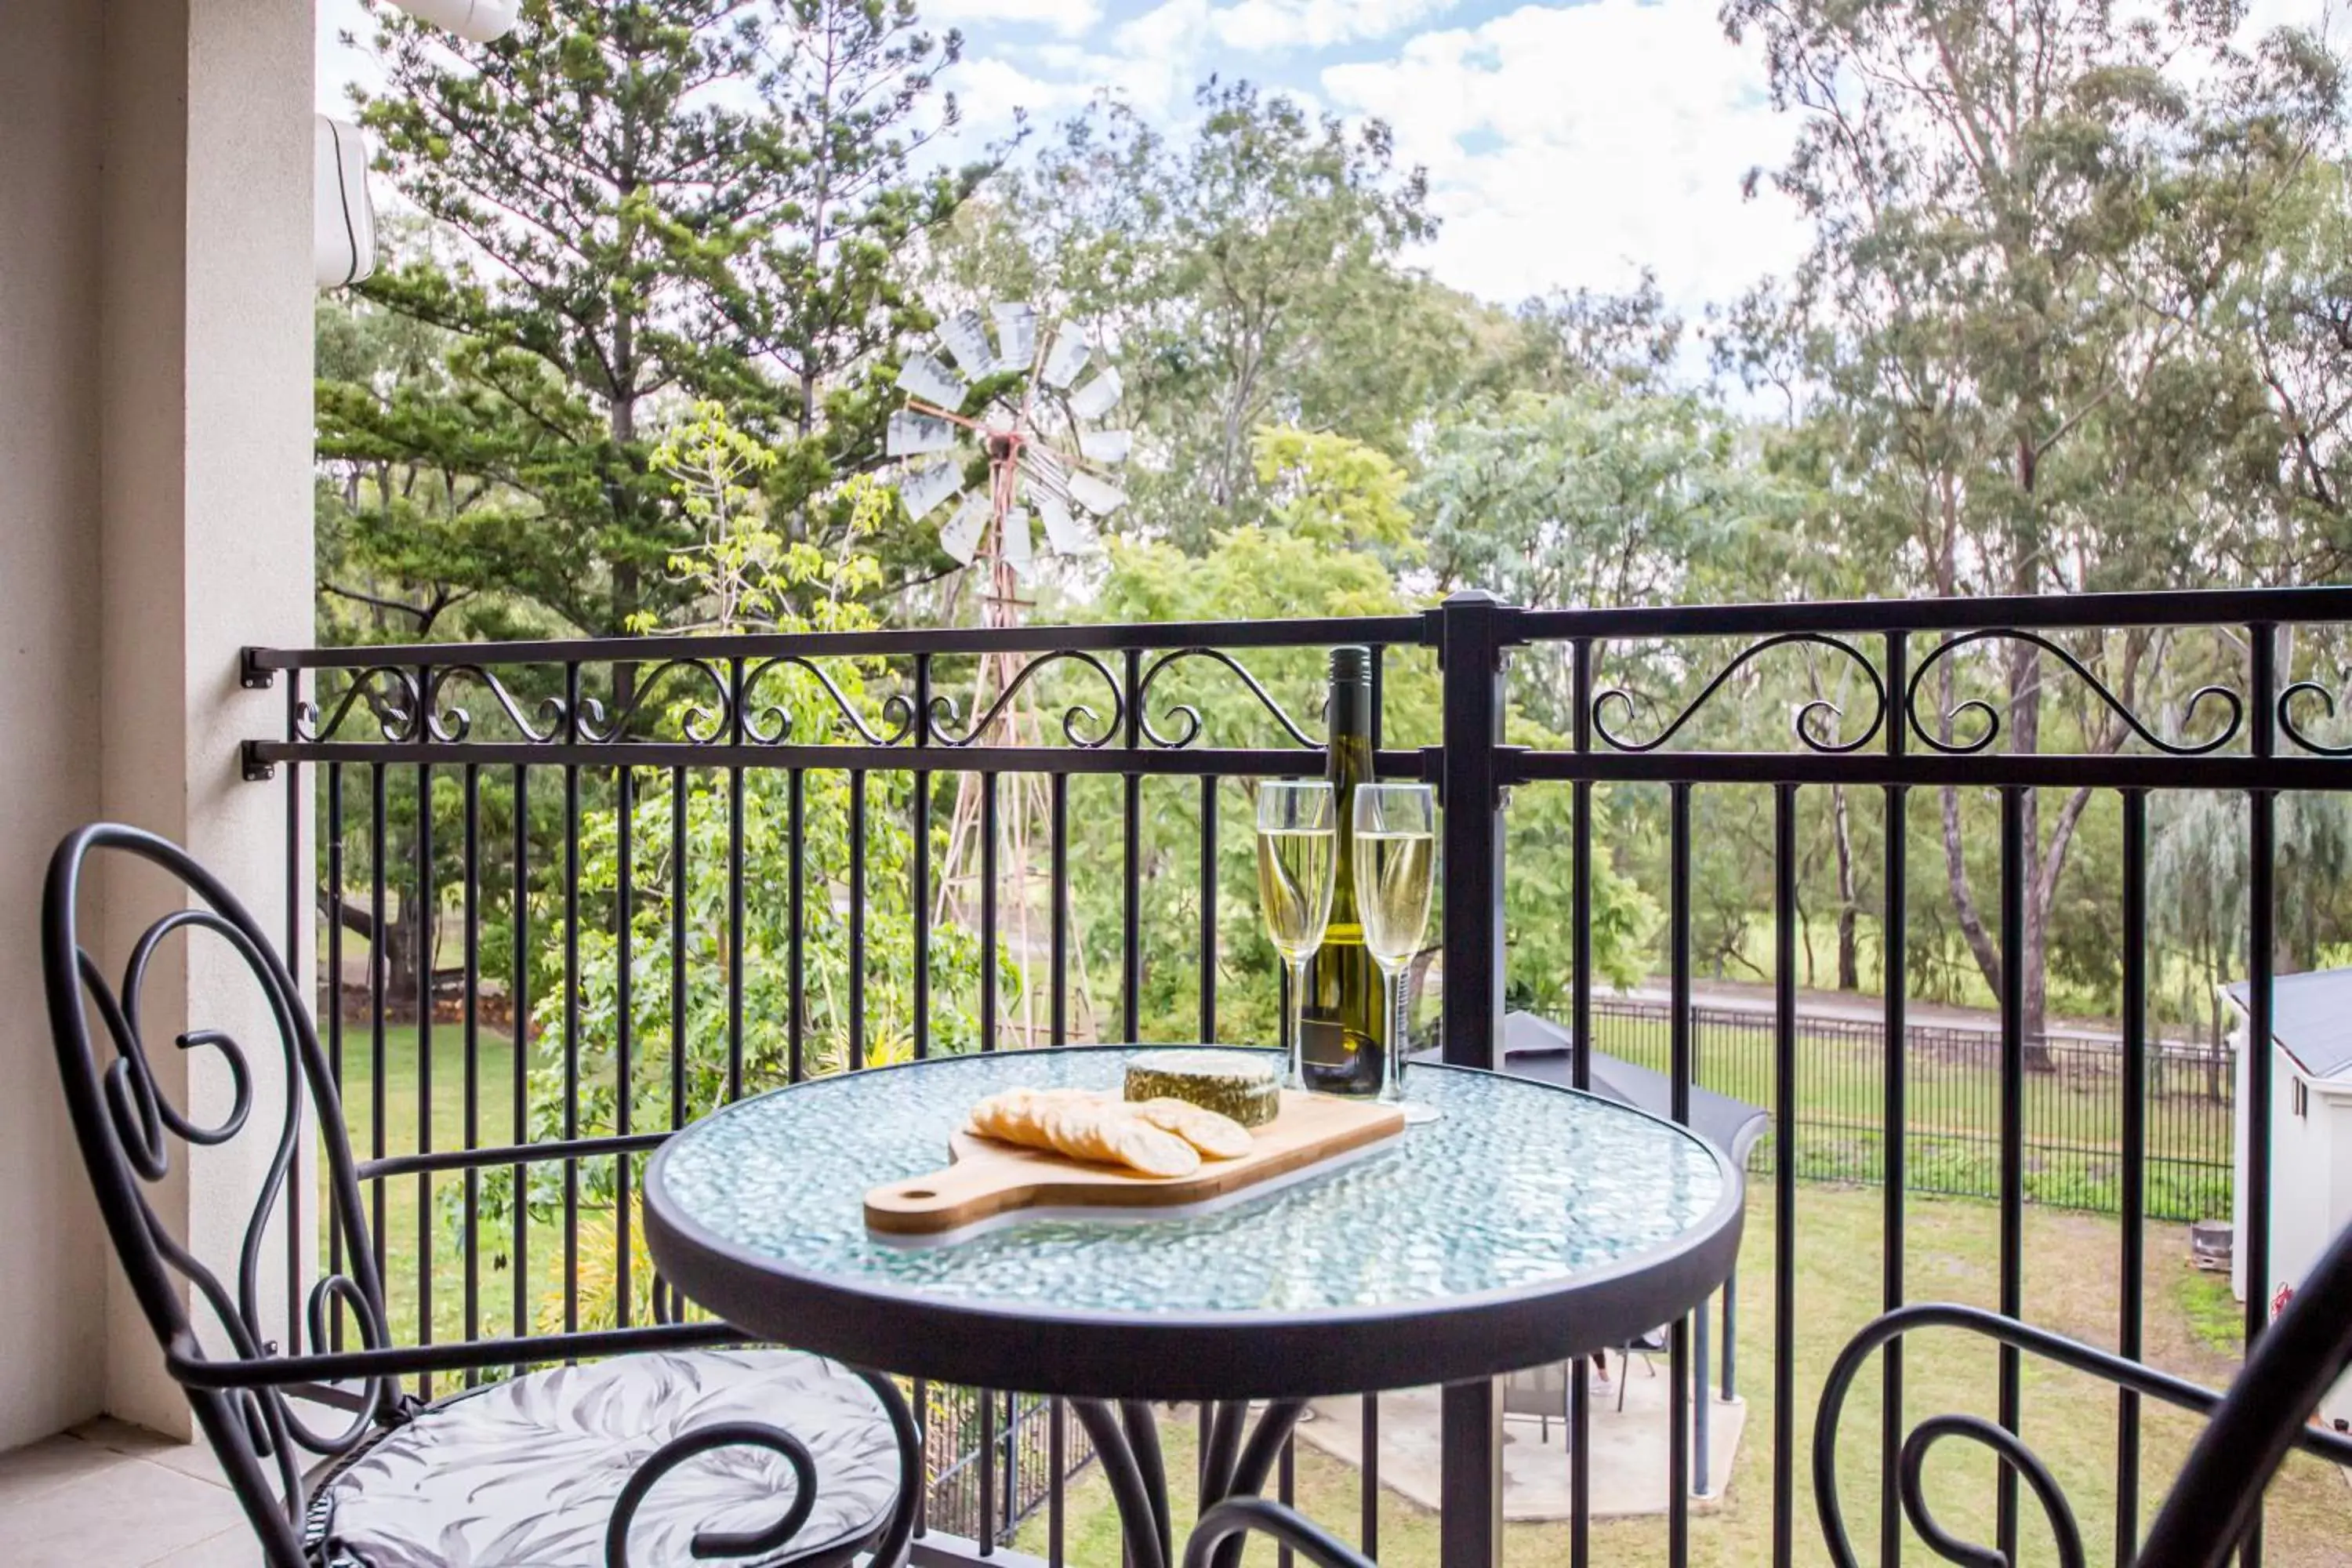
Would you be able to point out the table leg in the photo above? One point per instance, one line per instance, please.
(1236, 1462)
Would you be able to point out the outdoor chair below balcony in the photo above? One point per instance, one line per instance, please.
(696, 1447)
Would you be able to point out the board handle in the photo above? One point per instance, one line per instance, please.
(915, 1204)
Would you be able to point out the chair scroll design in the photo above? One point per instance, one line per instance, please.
(125, 1123)
(2249, 1431)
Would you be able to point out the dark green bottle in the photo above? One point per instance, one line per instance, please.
(1343, 1022)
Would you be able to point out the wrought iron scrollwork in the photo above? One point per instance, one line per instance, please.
(1983, 712)
(450, 723)
(2296, 732)
(391, 695)
(772, 725)
(942, 717)
(1190, 716)
(1801, 723)
(699, 724)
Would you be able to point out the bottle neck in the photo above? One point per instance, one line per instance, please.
(1350, 759)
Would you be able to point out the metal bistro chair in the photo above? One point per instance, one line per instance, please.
(2206, 1516)
(698, 1447)
(2204, 1519)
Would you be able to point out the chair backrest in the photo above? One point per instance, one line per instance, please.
(126, 1125)
(2295, 1361)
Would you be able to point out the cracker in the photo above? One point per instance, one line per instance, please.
(1217, 1136)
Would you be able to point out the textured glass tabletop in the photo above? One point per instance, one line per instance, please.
(1520, 1186)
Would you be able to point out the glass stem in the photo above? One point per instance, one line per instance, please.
(1298, 1078)
(1392, 993)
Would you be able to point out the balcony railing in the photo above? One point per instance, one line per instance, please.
(587, 890)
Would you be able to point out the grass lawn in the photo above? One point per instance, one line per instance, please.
(2070, 1285)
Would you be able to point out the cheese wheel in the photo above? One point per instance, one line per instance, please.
(1227, 1082)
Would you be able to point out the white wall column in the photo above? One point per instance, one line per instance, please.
(156, 306)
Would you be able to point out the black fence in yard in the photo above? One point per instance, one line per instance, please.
(994, 1459)
(2074, 1150)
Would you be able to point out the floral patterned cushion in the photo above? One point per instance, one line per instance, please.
(524, 1474)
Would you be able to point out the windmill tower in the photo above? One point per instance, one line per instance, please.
(1018, 407)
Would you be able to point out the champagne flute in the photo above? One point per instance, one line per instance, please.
(1297, 837)
(1395, 852)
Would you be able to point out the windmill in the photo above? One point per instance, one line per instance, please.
(1004, 396)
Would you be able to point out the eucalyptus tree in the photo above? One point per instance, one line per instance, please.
(2026, 223)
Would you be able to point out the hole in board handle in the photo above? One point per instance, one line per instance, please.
(918, 1192)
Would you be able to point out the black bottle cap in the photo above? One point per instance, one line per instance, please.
(1349, 663)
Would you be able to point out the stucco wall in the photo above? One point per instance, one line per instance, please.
(154, 517)
(51, 1269)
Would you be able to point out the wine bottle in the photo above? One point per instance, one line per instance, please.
(1344, 1028)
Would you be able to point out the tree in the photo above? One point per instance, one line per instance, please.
(2023, 221)
(637, 206)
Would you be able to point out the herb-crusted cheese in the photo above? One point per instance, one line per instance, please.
(1223, 1081)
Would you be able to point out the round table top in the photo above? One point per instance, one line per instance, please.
(1531, 1223)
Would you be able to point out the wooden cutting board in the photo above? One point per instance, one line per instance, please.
(988, 1178)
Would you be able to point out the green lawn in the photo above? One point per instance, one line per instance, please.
(2071, 1276)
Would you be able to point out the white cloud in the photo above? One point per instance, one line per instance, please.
(1316, 24)
(1070, 19)
(1569, 147)
(989, 90)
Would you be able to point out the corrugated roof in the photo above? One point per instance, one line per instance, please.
(2310, 1018)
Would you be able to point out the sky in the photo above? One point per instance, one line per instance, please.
(1568, 145)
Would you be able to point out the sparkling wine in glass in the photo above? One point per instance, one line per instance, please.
(1297, 855)
(1395, 841)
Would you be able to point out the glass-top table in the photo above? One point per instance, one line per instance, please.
(1529, 1224)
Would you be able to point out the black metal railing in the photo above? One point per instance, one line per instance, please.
(681, 869)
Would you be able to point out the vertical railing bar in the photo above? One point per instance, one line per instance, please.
(571, 978)
(1208, 1001)
(1057, 1460)
(427, 912)
(335, 1012)
(377, 960)
(1130, 981)
(740, 724)
(1286, 1493)
(1895, 986)
(2013, 850)
(471, 916)
(296, 878)
(1580, 1390)
(1784, 1173)
(1370, 1468)
(856, 919)
(1678, 976)
(2134, 1262)
(796, 941)
(678, 897)
(988, 954)
(625, 916)
(987, 1532)
(921, 901)
(520, 1064)
(922, 1401)
(2261, 964)
(1059, 959)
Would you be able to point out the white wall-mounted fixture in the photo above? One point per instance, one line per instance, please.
(476, 21)
(343, 221)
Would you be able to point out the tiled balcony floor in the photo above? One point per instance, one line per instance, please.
(106, 1495)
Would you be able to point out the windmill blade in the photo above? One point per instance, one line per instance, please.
(1013, 544)
(1097, 397)
(1066, 535)
(1066, 358)
(1047, 472)
(1099, 496)
(965, 334)
(960, 537)
(911, 435)
(1016, 335)
(1105, 446)
(925, 377)
(925, 486)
